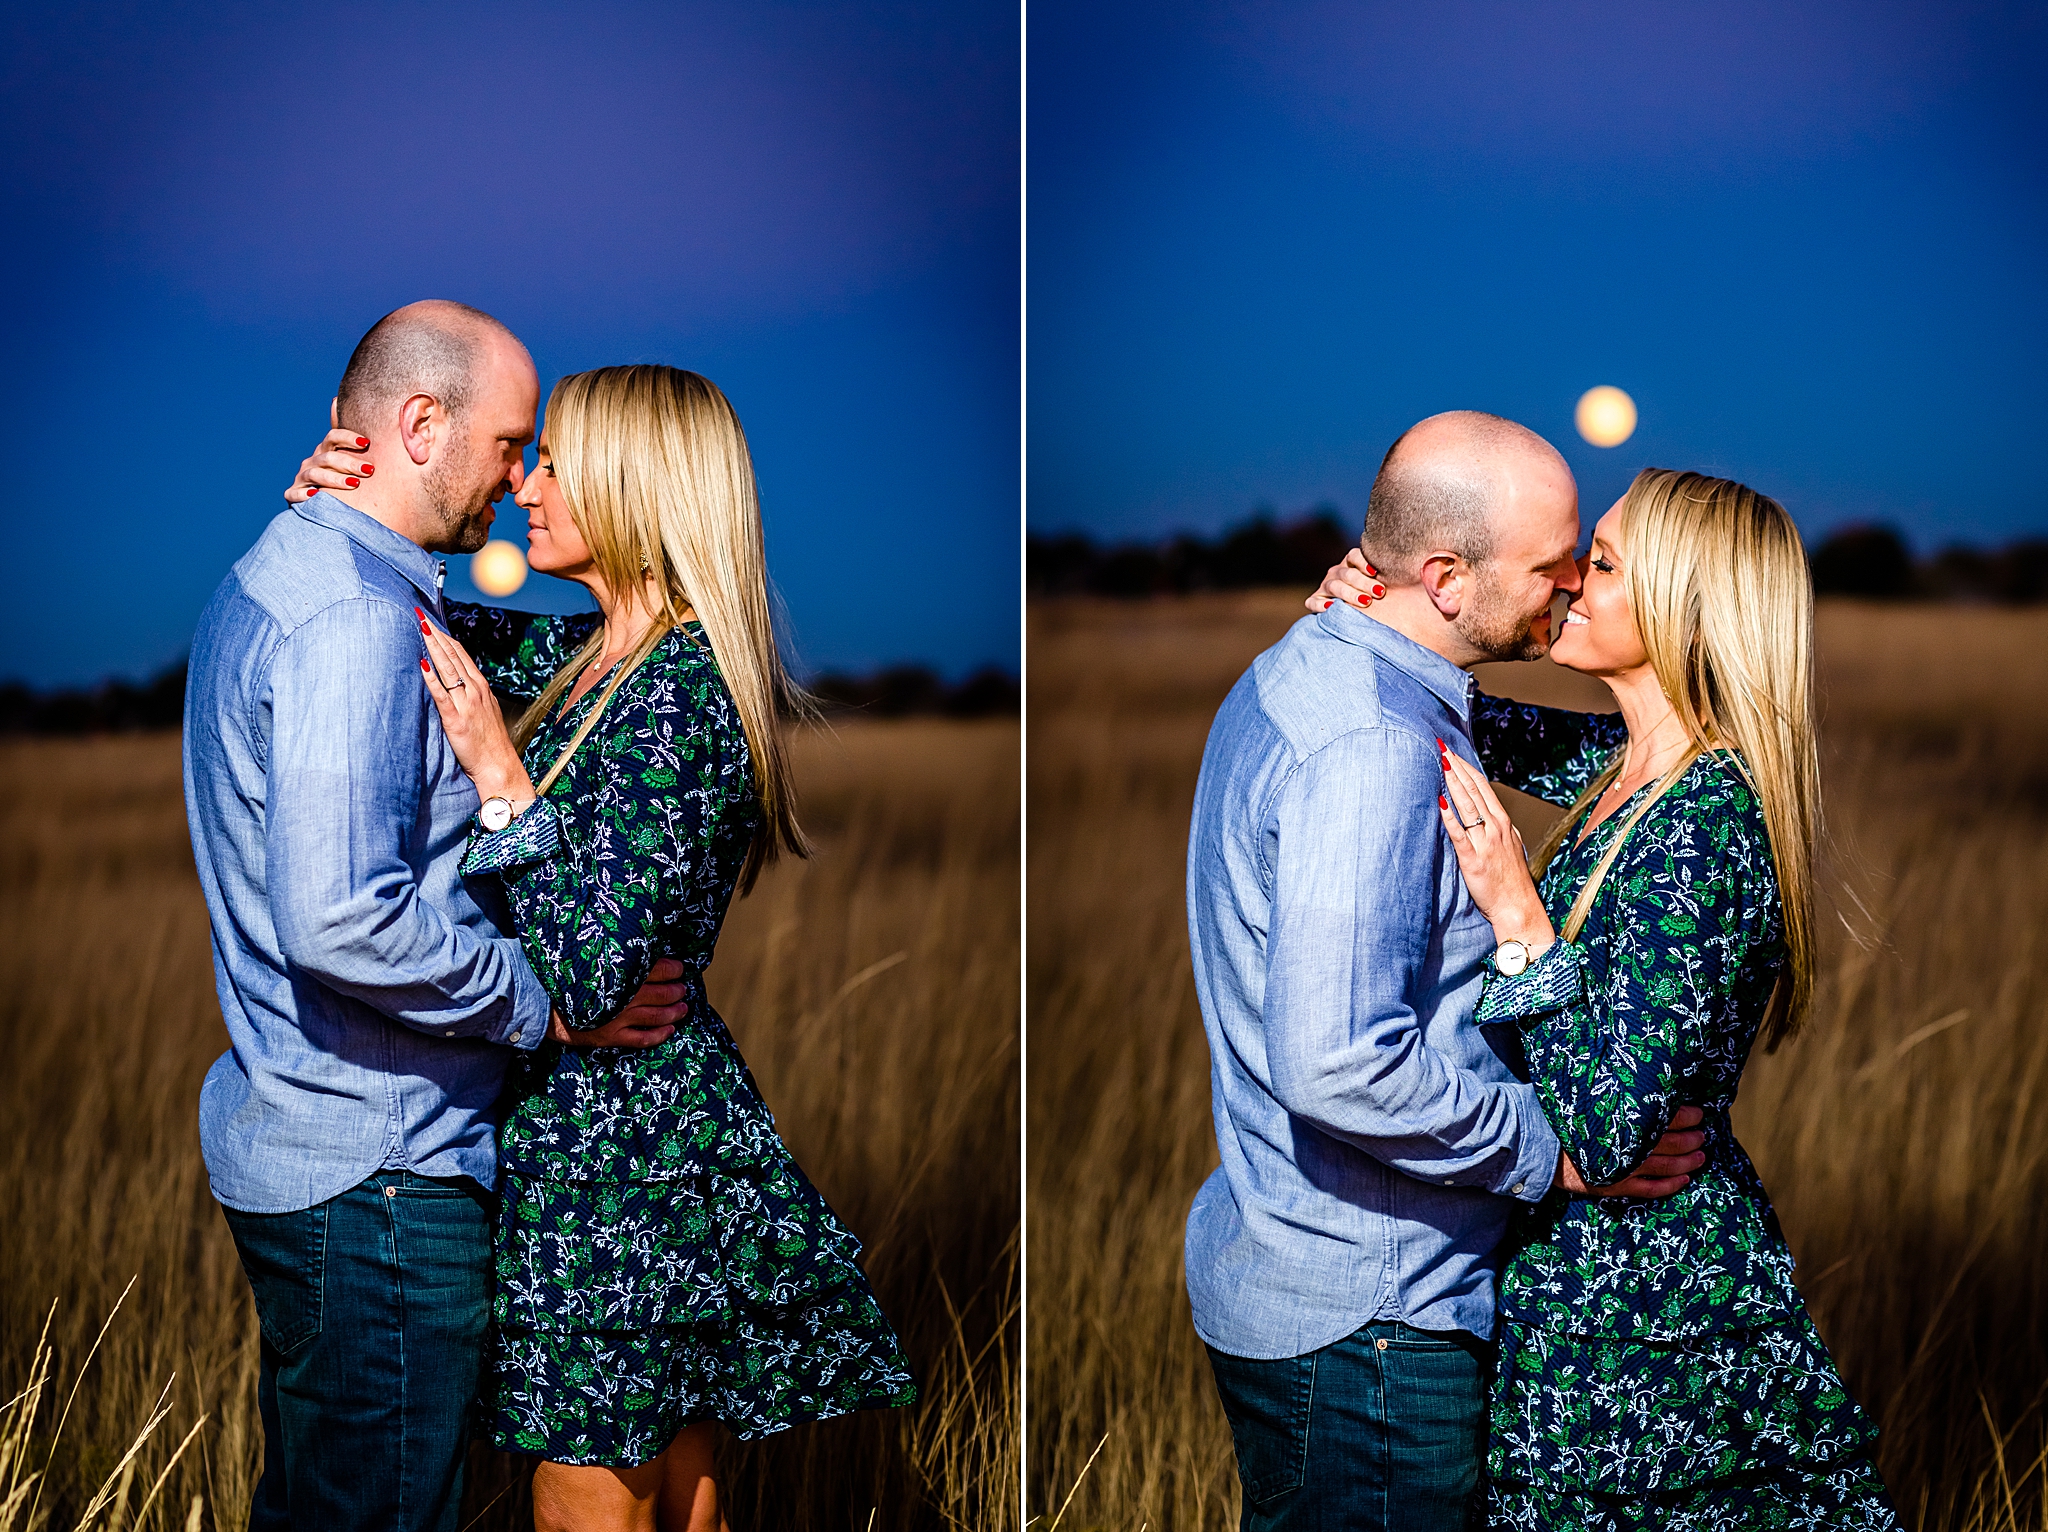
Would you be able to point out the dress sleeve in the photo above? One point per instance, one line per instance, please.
(595, 890)
(1613, 1030)
(518, 652)
(1547, 752)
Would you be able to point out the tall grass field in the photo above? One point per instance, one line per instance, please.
(1901, 1136)
(874, 991)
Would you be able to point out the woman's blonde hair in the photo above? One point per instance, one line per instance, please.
(655, 470)
(1716, 576)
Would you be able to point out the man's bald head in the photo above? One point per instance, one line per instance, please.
(1442, 484)
(436, 347)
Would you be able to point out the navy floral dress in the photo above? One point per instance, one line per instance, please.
(661, 1260)
(1656, 1368)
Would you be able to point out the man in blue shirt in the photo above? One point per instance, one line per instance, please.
(373, 999)
(1340, 1261)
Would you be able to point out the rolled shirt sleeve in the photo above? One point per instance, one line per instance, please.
(349, 730)
(1357, 846)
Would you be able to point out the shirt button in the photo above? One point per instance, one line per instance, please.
(1520, 1187)
(449, 1033)
(1450, 1183)
(1381, 1343)
(391, 1191)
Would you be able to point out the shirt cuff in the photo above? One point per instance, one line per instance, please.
(1555, 982)
(531, 1006)
(1536, 1163)
(533, 837)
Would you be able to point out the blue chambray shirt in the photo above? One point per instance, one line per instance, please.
(371, 996)
(1370, 1134)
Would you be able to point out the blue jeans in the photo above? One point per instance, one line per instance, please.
(1383, 1430)
(373, 1307)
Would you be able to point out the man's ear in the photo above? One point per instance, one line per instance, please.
(420, 424)
(334, 411)
(1443, 581)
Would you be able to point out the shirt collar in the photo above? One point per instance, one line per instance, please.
(1455, 687)
(422, 569)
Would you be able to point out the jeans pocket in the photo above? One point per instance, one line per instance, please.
(285, 1258)
(1268, 1405)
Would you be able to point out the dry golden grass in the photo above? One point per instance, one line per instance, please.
(873, 990)
(1899, 1135)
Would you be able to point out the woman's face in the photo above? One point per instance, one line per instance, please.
(554, 543)
(1599, 636)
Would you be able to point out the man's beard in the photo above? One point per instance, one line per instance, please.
(460, 501)
(1496, 631)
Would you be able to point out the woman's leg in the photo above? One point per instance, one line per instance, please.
(677, 1492)
(689, 1486)
(570, 1497)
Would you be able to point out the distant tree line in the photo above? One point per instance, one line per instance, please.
(1871, 561)
(904, 691)
(127, 707)
(112, 707)
(1258, 552)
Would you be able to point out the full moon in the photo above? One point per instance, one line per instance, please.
(499, 568)
(1606, 416)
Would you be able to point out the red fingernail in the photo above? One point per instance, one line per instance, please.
(353, 483)
(425, 668)
(1378, 591)
(1442, 802)
(1362, 600)
(1370, 570)
(369, 468)
(362, 441)
(419, 614)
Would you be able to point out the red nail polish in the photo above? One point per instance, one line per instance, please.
(1362, 600)
(425, 668)
(419, 614)
(368, 468)
(1378, 591)
(362, 441)
(353, 483)
(1442, 802)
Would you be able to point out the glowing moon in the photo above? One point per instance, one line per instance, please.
(498, 569)
(1606, 416)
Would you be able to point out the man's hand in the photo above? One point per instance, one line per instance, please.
(1667, 1169)
(648, 1020)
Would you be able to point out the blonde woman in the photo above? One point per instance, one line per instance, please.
(1656, 1368)
(662, 1262)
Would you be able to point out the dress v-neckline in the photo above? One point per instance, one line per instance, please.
(1587, 832)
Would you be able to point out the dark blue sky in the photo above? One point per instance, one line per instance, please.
(1808, 239)
(816, 205)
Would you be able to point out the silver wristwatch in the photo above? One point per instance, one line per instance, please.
(495, 814)
(1511, 957)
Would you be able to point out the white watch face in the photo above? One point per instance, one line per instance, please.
(495, 814)
(1512, 958)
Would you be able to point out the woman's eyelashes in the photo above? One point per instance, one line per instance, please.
(1603, 566)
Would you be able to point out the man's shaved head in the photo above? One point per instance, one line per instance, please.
(435, 347)
(1471, 524)
(1439, 483)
